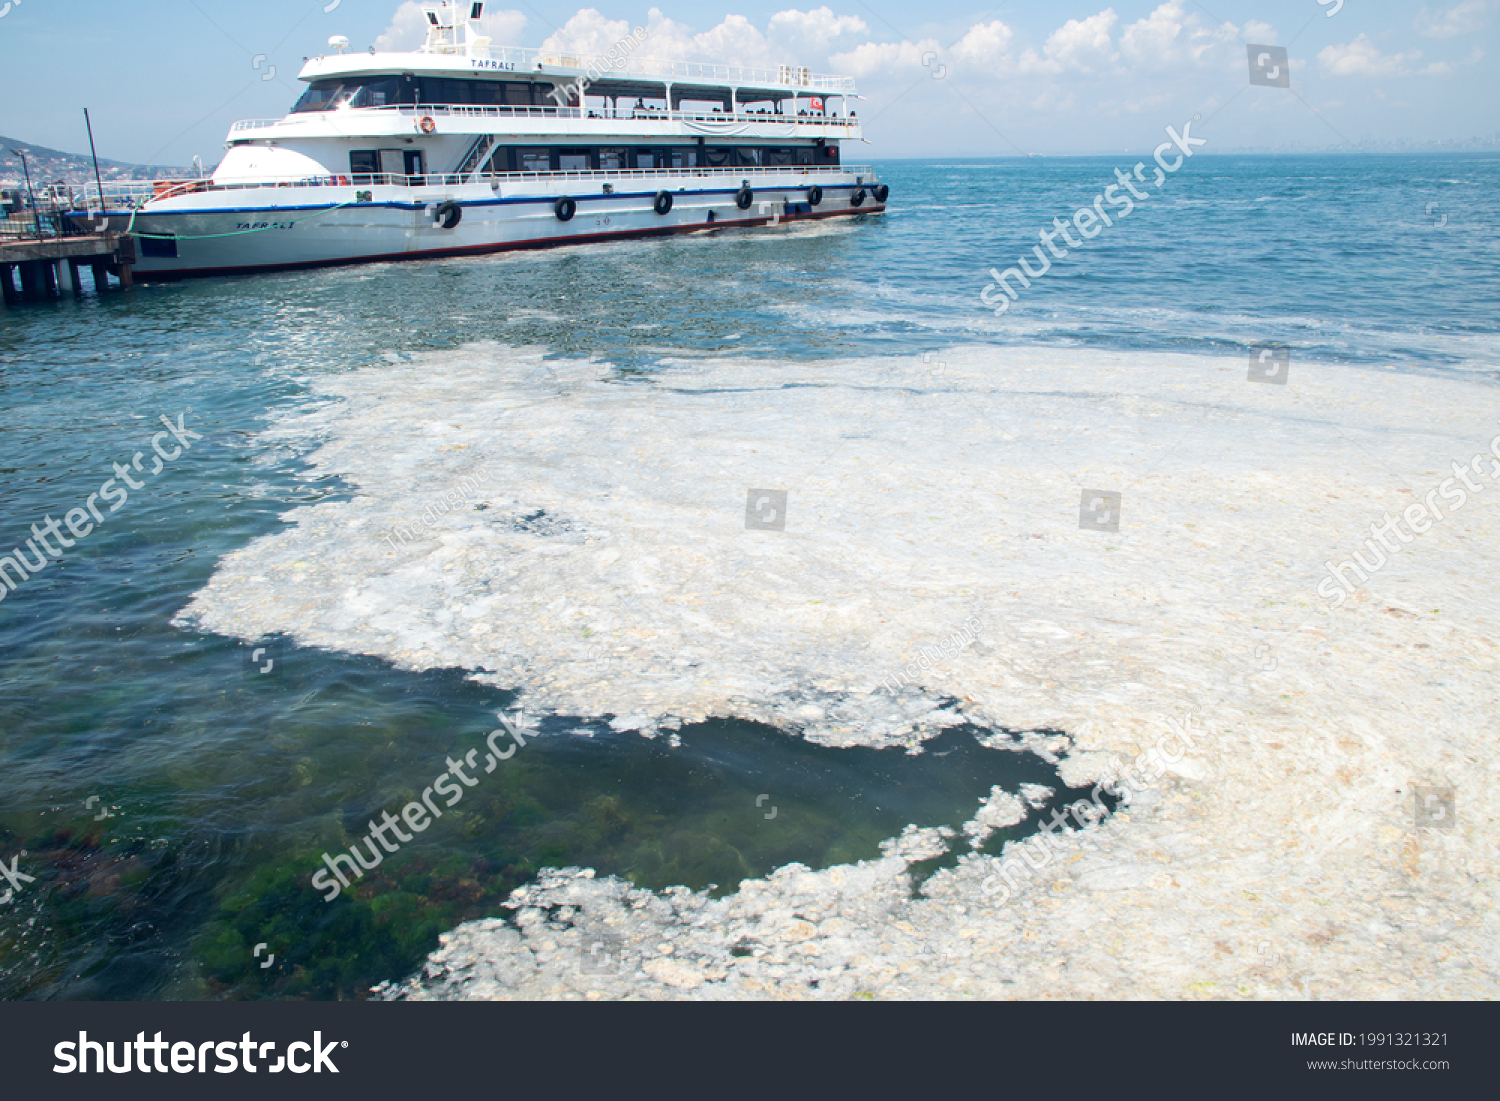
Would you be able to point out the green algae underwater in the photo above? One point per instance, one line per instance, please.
(227, 910)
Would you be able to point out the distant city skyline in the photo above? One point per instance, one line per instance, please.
(1021, 77)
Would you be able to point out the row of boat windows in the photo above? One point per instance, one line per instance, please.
(328, 95)
(407, 91)
(578, 158)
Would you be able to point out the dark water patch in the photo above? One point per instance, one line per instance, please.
(217, 810)
(734, 800)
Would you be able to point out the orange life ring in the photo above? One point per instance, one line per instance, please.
(427, 124)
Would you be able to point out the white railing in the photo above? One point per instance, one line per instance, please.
(783, 76)
(631, 114)
(128, 194)
(741, 173)
(527, 59)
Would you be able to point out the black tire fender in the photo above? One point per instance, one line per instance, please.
(881, 193)
(814, 195)
(743, 198)
(447, 215)
(565, 208)
(663, 202)
(858, 197)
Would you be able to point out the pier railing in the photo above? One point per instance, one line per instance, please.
(43, 225)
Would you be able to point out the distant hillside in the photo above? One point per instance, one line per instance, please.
(51, 165)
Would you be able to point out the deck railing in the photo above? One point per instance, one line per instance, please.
(522, 59)
(129, 194)
(646, 114)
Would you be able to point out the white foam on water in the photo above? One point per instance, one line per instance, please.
(605, 567)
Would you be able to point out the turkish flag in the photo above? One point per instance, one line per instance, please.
(817, 103)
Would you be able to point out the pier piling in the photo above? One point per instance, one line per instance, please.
(50, 266)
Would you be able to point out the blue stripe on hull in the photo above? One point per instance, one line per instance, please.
(498, 246)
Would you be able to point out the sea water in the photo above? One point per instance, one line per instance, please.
(168, 799)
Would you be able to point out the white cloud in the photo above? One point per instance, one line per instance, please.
(814, 30)
(875, 57)
(1464, 18)
(1363, 58)
(735, 41)
(1444, 68)
(587, 34)
(1170, 36)
(985, 46)
(408, 29)
(1079, 45)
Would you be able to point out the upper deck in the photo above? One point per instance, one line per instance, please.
(461, 79)
(783, 82)
(454, 45)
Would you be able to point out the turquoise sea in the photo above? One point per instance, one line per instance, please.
(156, 793)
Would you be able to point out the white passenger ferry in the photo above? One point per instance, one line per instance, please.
(463, 147)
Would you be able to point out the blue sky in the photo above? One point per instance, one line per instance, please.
(165, 79)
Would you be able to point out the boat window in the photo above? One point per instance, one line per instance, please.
(533, 160)
(616, 158)
(488, 93)
(328, 95)
(318, 97)
(364, 162)
(442, 90)
(375, 93)
(518, 95)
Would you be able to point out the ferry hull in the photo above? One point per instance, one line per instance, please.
(201, 234)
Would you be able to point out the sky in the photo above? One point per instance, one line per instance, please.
(164, 79)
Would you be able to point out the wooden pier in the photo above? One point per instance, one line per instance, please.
(48, 267)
